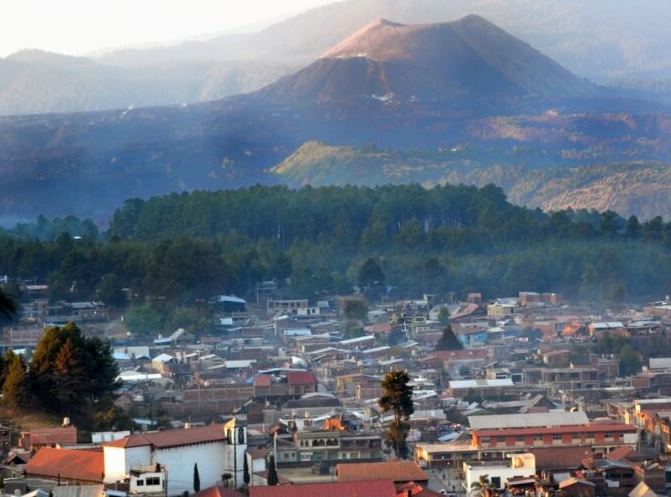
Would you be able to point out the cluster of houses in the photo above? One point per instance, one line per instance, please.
(526, 404)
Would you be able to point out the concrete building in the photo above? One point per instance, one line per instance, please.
(504, 434)
(165, 460)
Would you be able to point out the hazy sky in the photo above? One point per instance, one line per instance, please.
(75, 27)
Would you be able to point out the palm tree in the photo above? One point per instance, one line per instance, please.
(480, 488)
(227, 477)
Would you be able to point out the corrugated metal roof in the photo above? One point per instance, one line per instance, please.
(507, 382)
(573, 481)
(541, 419)
(539, 430)
(77, 491)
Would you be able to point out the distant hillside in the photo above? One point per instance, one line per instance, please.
(39, 82)
(529, 175)
(601, 40)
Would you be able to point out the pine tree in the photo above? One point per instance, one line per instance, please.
(69, 376)
(7, 306)
(449, 341)
(397, 397)
(15, 386)
(246, 477)
(273, 479)
(196, 478)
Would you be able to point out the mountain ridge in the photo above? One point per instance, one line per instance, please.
(627, 42)
(89, 163)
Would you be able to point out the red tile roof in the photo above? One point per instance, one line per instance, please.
(624, 452)
(378, 328)
(70, 464)
(397, 471)
(173, 438)
(373, 488)
(301, 378)
(416, 491)
(217, 491)
(560, 458)
(262, 380)
(51, 436)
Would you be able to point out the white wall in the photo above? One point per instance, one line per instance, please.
(118, 460)
(179, 462)
(145, 488)
(520, 465)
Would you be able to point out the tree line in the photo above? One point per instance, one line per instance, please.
(166, 256)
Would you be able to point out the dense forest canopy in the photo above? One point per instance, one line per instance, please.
(182, 249)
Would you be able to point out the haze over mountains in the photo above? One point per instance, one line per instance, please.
(603, 41)
(462, 101)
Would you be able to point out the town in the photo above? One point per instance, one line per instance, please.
(518, 395)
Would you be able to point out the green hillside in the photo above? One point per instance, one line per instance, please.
(529, 176)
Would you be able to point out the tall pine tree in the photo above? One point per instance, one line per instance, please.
(397, 397)
(15, 386)
(196, 478)
(273, 479)
(246, 477)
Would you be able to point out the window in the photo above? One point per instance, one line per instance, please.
(576, 436)
(556, 436)
(538, 437)
(485, 440)
(140, 483)
(153, 480)
(519, 438)
(500, 439)
(496, 481)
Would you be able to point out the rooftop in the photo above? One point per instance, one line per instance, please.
(372, 488)
(68, 464)
(388, 470)
(531, 420)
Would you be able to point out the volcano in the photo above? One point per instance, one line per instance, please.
(468, 62)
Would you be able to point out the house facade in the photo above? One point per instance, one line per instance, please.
(513, 432)
(166, 459)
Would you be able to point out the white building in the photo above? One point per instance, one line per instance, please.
(498, 472)
(165, 460)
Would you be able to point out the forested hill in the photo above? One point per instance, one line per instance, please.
(347, 216)
(443, 217)
(174, 251)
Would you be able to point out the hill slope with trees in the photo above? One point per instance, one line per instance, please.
(175, 253)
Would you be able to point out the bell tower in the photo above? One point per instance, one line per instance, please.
(235, 432)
